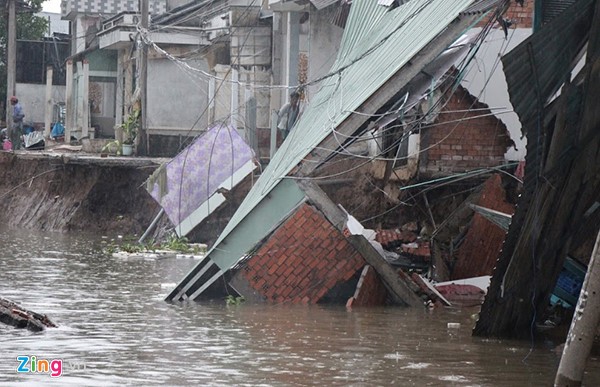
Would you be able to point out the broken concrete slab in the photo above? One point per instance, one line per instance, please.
(19, 317)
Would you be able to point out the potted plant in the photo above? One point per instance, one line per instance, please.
(130, 128)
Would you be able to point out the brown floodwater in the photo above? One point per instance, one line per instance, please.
(116, 330)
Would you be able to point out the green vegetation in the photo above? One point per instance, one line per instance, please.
(233, 300)
(173, 243)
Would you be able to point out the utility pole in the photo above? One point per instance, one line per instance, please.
(11, 58)
(583, 327)
(143, 139)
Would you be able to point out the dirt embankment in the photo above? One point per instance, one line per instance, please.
(51, 195)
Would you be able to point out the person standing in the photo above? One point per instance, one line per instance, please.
(288, 114)
(16, 128)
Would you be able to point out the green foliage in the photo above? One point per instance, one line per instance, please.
(233, 300)
(173, 243)
(113, 147)
(130, 127)
(29, 27)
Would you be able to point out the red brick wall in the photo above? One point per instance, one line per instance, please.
(302, 260)
(478, 140)
(480, 250)
(370, 290)
(521, 17)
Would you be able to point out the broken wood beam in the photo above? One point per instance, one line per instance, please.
(400, 291)
(18, 317)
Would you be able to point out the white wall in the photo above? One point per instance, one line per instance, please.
(324, 44)
(176, 96)
(32, 98)
(486, 81)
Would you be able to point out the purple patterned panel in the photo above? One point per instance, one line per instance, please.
(195, 174)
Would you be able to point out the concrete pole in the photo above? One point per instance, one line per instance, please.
(211, 100)
(292, 50)
(48, 112)
(234, 96)
(142, 149)
(70, 119)
(120, 88)
(273, 147)
(79, 97)
(583, 327)
(85, 97)
(250, 122)
(11, 59)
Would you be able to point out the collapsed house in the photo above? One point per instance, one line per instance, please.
(288, 241)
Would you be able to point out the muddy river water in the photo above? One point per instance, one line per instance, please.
(116, 330)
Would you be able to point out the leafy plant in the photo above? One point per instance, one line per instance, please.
(130, 127)
(233, 300)
(133, 247)
(112, 147)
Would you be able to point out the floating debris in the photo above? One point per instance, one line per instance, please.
(18, 317)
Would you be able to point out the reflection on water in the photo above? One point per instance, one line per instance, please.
(115, 329)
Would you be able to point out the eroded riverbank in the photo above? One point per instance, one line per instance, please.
(65, 192)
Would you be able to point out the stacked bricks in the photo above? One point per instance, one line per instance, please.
(370, 290)
(388, 237)
(463, 140)
(302, 260)
(480, 250)
(520, 17)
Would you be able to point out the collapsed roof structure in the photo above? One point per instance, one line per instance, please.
(383, 49)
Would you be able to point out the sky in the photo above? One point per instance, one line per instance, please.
(51, 6)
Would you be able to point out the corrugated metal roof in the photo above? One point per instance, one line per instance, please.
(320, 4)
(482, 6)
(553, 54)
(376, 44)
(500, 219)
(391, 38)
(552, 8)
(538, 67)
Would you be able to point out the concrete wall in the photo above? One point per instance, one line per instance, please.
(177, 98)
(108, 7)
(324, 44)
(33, 99)
(222, 105)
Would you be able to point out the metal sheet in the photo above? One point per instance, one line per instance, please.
(321, 4)
(195, 175)
(538, 67)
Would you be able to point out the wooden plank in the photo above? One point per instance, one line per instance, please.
(399, 289)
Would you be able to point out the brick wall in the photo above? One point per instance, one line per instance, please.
(521, 17)
(479, 140)
(302, 260)
(481, 247)
(370, 290)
